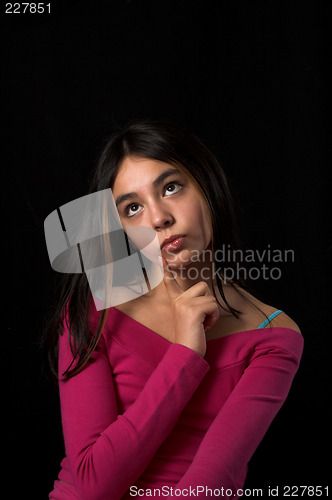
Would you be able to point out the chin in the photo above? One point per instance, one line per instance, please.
(181, 259)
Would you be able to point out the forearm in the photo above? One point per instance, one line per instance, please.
(222, 458)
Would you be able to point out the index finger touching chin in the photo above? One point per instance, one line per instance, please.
(172, 286)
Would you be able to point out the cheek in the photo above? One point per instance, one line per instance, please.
(198, 219)
(202, 217)
(206, 232)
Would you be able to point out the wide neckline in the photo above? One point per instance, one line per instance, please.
(207, 340)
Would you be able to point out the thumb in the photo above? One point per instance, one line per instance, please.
(172, 286)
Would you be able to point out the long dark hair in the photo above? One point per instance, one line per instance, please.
(170, 144)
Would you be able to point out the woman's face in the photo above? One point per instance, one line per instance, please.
(157, 195)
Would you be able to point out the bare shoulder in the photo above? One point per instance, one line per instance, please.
(285, 321)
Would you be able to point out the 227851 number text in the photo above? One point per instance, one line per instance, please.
(28, 8)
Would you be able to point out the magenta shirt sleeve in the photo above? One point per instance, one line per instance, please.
(106, 451)
(239, 427)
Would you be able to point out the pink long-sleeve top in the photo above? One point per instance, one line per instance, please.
(148, 414)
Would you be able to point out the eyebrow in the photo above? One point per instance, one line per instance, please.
(129, 196)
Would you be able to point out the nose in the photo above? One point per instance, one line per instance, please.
(160, 217)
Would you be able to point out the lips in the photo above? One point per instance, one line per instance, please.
(173, 241)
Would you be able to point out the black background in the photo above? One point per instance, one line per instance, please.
(250, 79)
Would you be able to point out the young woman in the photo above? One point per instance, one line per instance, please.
(169, 393)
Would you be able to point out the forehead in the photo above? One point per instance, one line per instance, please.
(136, 172)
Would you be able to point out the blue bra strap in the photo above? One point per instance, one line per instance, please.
(273, 315)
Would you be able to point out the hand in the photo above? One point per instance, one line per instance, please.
(193, 310)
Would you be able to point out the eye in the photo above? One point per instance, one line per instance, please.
(172, 188)
(132, 209)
